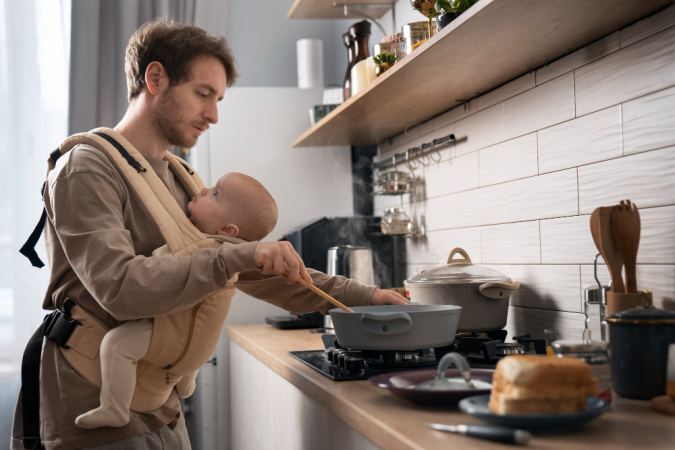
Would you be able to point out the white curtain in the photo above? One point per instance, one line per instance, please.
(34, 73)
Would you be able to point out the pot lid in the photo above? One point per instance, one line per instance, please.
(458, 271)
(643, 314)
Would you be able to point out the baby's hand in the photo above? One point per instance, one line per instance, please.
(278, 258)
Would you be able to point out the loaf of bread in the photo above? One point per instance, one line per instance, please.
(538, 384)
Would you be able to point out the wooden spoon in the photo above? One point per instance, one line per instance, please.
(601, 229)
(322, 294)
(626, 229)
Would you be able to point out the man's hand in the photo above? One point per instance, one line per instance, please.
(387, 297)
(278, 258)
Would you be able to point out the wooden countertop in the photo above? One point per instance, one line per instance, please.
(392, 423)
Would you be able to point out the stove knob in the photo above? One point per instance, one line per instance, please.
(328, 354)
(353, 363)
(336, 355)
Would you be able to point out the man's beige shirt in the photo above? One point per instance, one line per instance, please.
(99, 240)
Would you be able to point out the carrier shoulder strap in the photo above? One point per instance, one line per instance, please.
(167, 214)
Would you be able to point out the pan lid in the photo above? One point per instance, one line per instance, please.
(458, 271)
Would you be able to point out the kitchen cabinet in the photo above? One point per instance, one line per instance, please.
(278, 402)
(492, 43)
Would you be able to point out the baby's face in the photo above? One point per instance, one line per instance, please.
(208, 209)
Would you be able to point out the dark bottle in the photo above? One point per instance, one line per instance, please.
(359, 34)
(348, 40)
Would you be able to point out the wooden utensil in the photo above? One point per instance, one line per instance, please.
(322, 294)
(601, 229)
(626, 230)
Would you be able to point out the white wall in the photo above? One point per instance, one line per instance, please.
(538, 155)
(254, 134)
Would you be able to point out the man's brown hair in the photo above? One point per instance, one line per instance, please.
(175, 46)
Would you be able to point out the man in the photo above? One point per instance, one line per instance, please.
(100, 238)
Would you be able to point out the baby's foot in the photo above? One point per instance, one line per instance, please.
(102, 417)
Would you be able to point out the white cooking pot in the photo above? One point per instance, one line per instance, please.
(482, 293)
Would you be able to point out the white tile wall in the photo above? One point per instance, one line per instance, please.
(543, 106)
(480, 130)
(583, 56)
(510, 160)
(554, 287)
(646, 179)
(648, 27)
(657, 236)
(450, 176)
(525, 320)
(598, 127)
(639, 69)
(436, 245)
(584, 140)
(567, 240)
(649, 122)
(509, 90)
(511, 243)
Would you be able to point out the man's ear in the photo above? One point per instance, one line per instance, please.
(156, 79)
(229, 230)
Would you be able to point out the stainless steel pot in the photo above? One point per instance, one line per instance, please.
(396, 327)
(482, 293)
(350, 262)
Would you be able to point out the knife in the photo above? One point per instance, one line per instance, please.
(489, 432)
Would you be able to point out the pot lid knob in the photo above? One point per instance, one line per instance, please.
(456, 250)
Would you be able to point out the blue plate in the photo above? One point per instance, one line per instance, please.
(478, 407)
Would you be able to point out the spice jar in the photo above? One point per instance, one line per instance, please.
(395, 221)
(595, 354)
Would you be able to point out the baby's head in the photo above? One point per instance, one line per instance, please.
(237, 205)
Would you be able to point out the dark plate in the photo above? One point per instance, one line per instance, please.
(478, 407)
(402, 384)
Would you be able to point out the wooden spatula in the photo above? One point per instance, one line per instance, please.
(601, 229)
(322, 294)
(626, 229)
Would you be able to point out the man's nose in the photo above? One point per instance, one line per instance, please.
(211, 114)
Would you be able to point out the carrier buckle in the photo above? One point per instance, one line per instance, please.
(59, 327)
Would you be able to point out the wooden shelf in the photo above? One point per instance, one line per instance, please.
(492, 43)
(323, 9)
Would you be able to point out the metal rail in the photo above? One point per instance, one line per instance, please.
(415, 151)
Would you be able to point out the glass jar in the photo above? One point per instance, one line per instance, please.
(595, 354)
(416, 33)
(394, 182)
(395, 221)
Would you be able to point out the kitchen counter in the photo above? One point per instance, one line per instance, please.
(391, 423)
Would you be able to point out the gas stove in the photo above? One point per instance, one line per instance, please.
(482, 351)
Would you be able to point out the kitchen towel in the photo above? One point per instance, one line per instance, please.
(310, 63)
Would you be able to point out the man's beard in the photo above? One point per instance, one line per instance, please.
(166, 119)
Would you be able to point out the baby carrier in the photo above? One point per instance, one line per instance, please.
(182, 341)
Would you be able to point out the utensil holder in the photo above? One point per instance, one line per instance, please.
(618, 301)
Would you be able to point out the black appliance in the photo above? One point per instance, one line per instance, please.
(482, 351)
(312, 241)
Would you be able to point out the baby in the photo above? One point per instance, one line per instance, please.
(237, 205)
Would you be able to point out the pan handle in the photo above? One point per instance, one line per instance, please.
(499, 289)
(385, 323)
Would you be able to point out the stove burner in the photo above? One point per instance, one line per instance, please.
(407, 356)
(482, 352)
(505, 349)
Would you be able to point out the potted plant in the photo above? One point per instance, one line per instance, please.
(427, 8)
(449, 10)
(384, 61)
